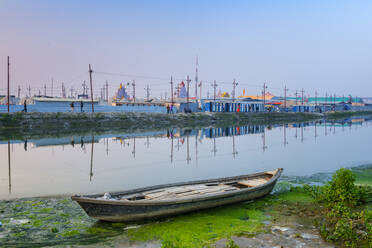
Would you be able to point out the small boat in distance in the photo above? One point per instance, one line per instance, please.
(171, 199)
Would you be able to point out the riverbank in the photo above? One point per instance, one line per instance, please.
(27, 125)
(287, 218)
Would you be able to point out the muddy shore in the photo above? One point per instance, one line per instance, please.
(31, 125)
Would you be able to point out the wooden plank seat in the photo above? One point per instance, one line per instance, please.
(253, 182)
(184, 191)
(271, 173)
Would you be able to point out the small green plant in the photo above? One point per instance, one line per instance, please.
(231, 244)
(342, 223)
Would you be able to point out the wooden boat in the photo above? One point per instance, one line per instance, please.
(171, 199)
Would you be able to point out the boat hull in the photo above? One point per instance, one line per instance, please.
(125, 211)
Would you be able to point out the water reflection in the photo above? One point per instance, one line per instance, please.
(176, 155)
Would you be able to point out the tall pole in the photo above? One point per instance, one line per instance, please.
(196, 79)
(285, 96)
(234, 86)
(52, 88)
(134, 90)
(171, 84)
(302, 98)
(19, 91)
(214, 90)
(188, 89)
(29, 90)
(91, 87)
(200, 86)
(264, 94)
(45, 90)
(147, 92)
(8, 83)
(316, 98)
(106, 91)
(296, 94)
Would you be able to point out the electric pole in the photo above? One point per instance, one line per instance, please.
(302, 99)
(134, 90)
(234, 86)
(91, 87)
(171, 84)
(84, 88)
(29, 90)
(8, 84)
(200, 88)
(147, 92)
(107, 91)
(63, 91)
(264, 94)
(196, 79)
(285, 96)
(72, 91)
(188, 89)
(214, 85)
(296, 94)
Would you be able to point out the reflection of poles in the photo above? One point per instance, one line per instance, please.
(10, 181)
(264, 147)
(134, 147)
(302, 133)
(214, 147)
(334, 127)
(188, 150)
(296, 133)
(107, 149)
(91, 160)
(172, 148)
(178, 144)
(325, 128)
(234, 151)
(196, 148)
(147, 142)
(285, 135)
(315, 135)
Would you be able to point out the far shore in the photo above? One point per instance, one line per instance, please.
(36, 124)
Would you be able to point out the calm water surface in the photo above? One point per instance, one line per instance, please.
(114, 162)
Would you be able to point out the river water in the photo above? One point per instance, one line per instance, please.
(121, 161)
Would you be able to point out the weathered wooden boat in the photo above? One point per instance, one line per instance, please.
(171, 199)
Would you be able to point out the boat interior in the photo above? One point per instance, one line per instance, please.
(193, 190)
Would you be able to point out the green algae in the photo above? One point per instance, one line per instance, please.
(202, 229)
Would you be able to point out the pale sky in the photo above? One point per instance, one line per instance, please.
(315, 45)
